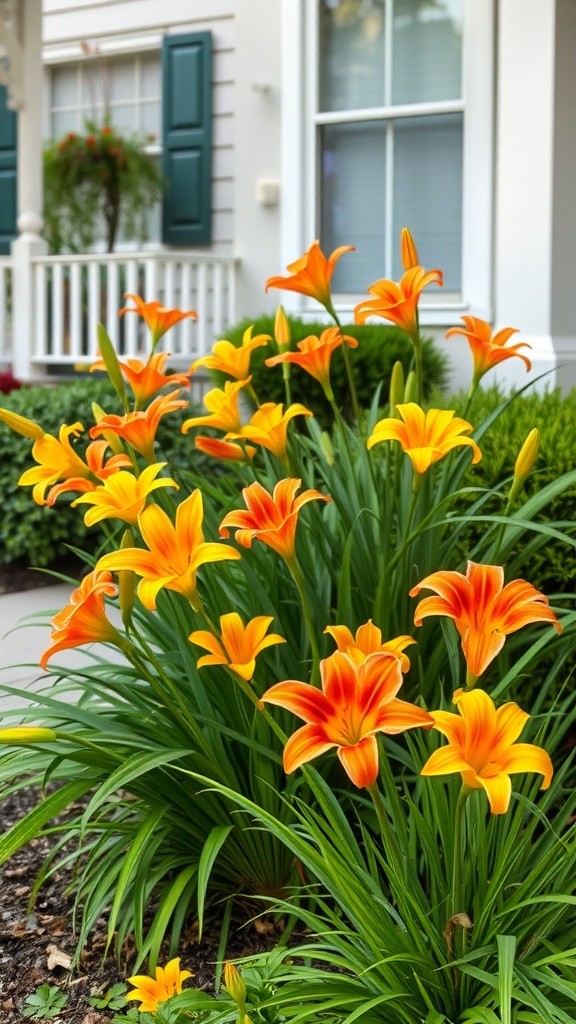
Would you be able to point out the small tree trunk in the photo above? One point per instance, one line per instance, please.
(112, 212)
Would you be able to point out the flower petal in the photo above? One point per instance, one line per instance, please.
(361, 761)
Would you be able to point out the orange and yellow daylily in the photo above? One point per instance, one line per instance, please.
(482, 747)
(238, 644)
(139, 428)
(146, 379)
(225, 449)
(57, 460)
(426, 437)
(489, 349)
(158, 319)
(484, 611)
(98, 470)
(233, 359)
(271, 518)
(311, 274)
(398, 302)
(222, 404)
(151, 991)
(123, 495)
(368, 640)
(268, 427)
(315, 354)
(84, 620)
(356, 702)
(173, 554)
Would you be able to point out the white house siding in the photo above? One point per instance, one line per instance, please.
(121, 27)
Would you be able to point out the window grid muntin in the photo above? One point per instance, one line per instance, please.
(85, 110)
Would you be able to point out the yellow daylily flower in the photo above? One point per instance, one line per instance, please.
(238, 645)
(123, 496)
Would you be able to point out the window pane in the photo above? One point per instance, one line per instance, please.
(428, 192)
(93, 91)
(427, 51)
(121, 78)
(150, 77)
(123, 117)
(67, 121)
(150, 120)
(352, 201)
(351, 36)
(64, 87)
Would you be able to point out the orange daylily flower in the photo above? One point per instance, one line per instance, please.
(98, 470)
(311, 274)
(398, 302)
(146, 379)
(368, 640)
(58, 460)
(356, 702)
(123, 495)
(272, 518)
(173, 553)
(408, 250)
(223, 407)
(482, 747)
(233, 359)
(84, 621)
(268, 427)
(315, 353)
(158, 319)
(225, 449)
(425, 436)
(484, 611)
(151, 991)
(139, 428)
(487, 349)
(238, 645)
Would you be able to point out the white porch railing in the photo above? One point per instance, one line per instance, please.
(63, 298)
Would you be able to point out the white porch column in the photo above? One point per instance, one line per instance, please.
(535, 232)
(30, 185)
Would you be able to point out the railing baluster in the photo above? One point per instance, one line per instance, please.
(132, 323)
(186, 347)
(112, 302)
(57, 333)
(201, 309)
(75, 317)
(94, 307)
(230, 292)
(217, 296)
(41, 326)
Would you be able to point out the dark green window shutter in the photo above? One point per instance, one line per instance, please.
(187, 138)
(8, 174)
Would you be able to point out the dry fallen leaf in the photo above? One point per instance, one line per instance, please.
(57, 958)
(263, 927)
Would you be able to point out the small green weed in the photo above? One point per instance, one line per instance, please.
(45, 1003)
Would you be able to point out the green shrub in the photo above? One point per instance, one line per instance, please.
(378, 349)
(553, 567)
(37, 533)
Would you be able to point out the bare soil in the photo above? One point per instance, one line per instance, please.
(18, 576)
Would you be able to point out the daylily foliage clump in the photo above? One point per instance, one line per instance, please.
(270, 617)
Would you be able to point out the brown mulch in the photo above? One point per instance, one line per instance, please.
(33, 938)
(18, 576)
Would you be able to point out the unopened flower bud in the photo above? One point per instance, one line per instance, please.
(235, 986)
(408, 249)
(21, 424)
(411, 389)
(282, 330)
(397, 385)
(326, 446)
(20, 736)
(528, 454)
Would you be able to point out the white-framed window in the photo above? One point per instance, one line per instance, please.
(394, 112)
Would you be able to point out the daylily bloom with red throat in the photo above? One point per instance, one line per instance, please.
(222, 404)
(225, 449)
(151, 991)
(489, 349)
(173, 554)
(123, 496)
(146, 379)
(484, 611)
(355, 703)
(233, 359)
(398, 302)
(238, 645)
(268, 427)
(139, 428)
(368, 640)
(311, 274)
(315, 354)
(158, 319)
(272, 518)
(482, 747)
(425, 436)
(84, 620)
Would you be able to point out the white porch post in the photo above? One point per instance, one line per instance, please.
(30, 184)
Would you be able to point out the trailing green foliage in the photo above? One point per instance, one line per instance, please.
(38, 533)
(379, 347)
